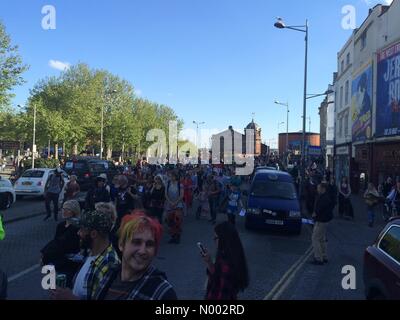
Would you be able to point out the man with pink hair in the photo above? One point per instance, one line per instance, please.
(137, 278)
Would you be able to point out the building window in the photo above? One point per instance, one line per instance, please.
(340, 127)
(363, 40)
(341, 97)
(346, 125)
(346, 94)
(342, 66)
(348, 59)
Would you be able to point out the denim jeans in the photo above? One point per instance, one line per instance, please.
(371, 215)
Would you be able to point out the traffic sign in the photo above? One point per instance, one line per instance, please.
(10, 145)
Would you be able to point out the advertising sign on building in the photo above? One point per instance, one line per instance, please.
(361, 104)
(388, 92)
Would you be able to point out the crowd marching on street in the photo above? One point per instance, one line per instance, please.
(106, 243)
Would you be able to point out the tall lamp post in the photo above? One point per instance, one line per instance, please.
(304, 28)
(198, 124)
(34, 135)
(279, 125)
(108, 93)
(287, 125)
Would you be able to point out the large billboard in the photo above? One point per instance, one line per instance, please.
(361, 104)
(388, 92)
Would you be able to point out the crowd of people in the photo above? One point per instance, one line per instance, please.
(106, 245)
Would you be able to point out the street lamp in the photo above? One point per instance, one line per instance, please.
(197, 131)
(279, 125)
(34, 135)
(287, 124)
(304, 28)
(108, 93)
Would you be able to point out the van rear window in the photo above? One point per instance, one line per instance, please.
(274, 189)
(74, 165)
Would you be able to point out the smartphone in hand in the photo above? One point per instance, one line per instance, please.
(202, 249)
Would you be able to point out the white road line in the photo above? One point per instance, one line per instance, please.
(288, 276)
(22, 273)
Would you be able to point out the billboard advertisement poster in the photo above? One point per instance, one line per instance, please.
(361, 104)
(388, 92)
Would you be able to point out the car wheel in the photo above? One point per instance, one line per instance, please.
(375, 295)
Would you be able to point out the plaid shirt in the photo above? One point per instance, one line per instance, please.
(153, 285)
(220, 283)
(100, 271)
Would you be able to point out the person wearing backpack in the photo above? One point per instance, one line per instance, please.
(322, 216)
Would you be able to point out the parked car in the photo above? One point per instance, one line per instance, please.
(87, 169)
(33, 182)
(272, 202)
(7, 194)
(382, 264)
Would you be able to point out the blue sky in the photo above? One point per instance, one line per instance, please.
(216, 61)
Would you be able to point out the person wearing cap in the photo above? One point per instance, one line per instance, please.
(98, 193)
(65, 243)
(125, 199)
(53, 188)
(94, 233)
(137, 278)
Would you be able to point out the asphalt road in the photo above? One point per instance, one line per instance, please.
(278, 263)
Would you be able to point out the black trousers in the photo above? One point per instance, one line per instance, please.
(52, 197)
(213, 201)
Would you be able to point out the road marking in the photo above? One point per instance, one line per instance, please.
(22, 273)
(288, 277)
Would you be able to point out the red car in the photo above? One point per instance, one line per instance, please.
(382, 264)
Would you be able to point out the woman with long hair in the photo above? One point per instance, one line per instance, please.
(345, 207)
(229, 274)
(174, 207)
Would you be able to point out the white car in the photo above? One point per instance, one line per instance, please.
(33, 182)
(7, 194)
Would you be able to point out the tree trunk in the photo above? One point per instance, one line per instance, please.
(109, 152)
(75, 149)
(56, 150)
(48, 150)
(63, 150)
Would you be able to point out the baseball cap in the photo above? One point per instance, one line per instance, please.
(103, 176)
(96, 220)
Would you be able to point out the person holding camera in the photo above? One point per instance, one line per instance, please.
(228, 275)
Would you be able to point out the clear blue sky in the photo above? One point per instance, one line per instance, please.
(216, 61)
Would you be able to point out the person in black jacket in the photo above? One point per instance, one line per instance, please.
(97, 194)
(322, 215)
(62, 250)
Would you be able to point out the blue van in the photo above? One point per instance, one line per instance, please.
(273, 203)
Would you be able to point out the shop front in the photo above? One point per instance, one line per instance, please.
(342, 162)
(386, 161)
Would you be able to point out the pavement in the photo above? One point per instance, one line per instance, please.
(278, 263)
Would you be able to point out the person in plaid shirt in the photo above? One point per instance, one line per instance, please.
(94, 233)
(137, 279)
(229, 274)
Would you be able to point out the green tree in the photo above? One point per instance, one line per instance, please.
(11, 68)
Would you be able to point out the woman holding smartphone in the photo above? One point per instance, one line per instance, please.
(229, 274)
